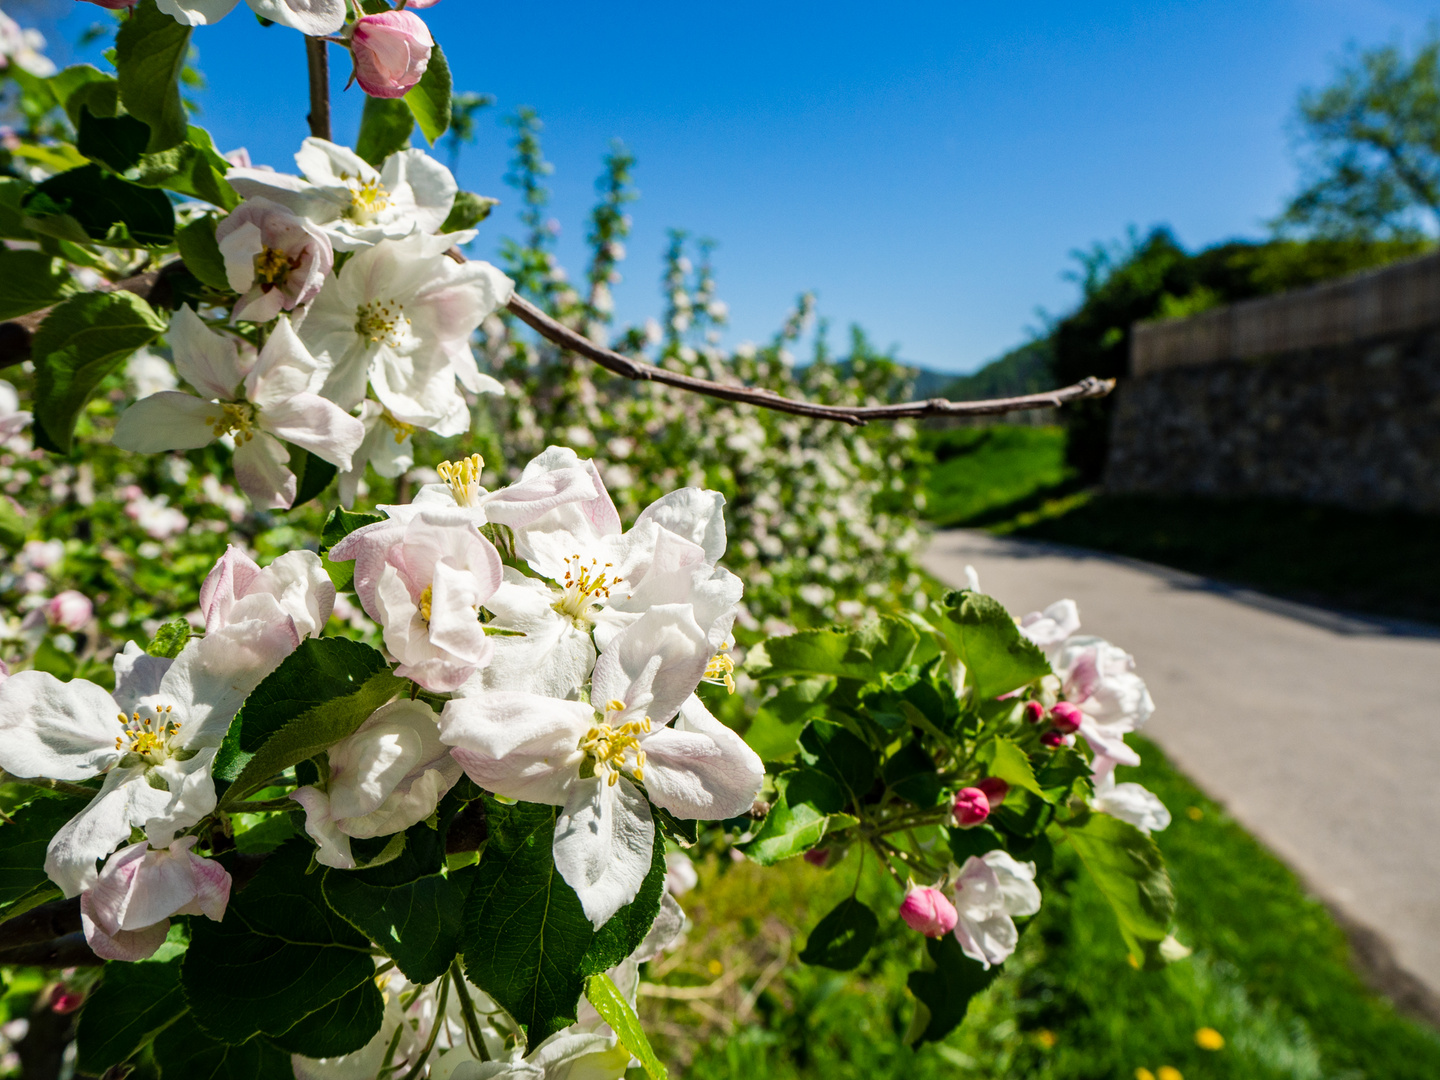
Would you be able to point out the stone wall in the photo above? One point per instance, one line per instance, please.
(1354, 425)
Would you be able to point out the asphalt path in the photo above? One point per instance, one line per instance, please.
(1319, 731)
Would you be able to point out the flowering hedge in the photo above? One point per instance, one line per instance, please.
(399, 804)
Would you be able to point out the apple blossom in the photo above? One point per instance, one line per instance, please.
(126, 912)
(148, 373)
(1129, 801)
(70, 610)
(355, 204)
(390, 774)
(928, 911)
(989, 891)
(391, 50)
(400, 316)
(294, 587)
(172, 715)
(995, 790)
(461, 496)
(13, 419)
(1066, 717)
(425, 581)
(22, 48)
(155, 516)
(388, 447)
(588, 758)
(1100, 679)
(263, 400)
(1048, 629)
(274, 258)
(971, 807)
(114, 5)
(313, 17)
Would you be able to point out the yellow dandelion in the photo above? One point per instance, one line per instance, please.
(1046, 1038)
(1168, 1072)
(1194, 813)
(1209, 1039)
(1143, 1073)
(716, 967)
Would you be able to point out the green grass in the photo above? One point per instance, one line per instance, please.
(1269, 972)
(983, 474)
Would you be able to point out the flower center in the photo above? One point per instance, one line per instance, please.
(721, 670)
(272, 268)
(463, 476)
(401, 429)
(236, 418)
(586, 589)
(607, 746)
(148, 736)
(383, 322)
(426, 597)
(368, 199)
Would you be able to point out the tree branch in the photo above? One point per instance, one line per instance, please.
(858, 415)
(317, 61)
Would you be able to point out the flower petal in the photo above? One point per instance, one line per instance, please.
(317, 425)
(700, 768)
(653, 665)
(210, 362)
(521, 746)
(262, 469)
(169, 420)
(603, 843)
(54, 729)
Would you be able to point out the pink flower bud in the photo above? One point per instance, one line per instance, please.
(64, 1000)
(422, 3)
(1052, 739)
(928, 911)
(1066, 717)
(114, 5)
(995, 790)
(391, 51)
(817, 856)
(1034, 712)
(972, 806)
(70, 610)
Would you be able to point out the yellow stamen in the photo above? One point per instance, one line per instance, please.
(401, 429)
(383, 322)
(721, 670)
(607, 745)
(425, 599)
(367, 198)
(236, 418)
(585, 587)
(463, 476)
(272, 267)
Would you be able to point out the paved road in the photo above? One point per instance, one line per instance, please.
(1319, 732)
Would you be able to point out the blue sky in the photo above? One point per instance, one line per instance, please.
(926, 168)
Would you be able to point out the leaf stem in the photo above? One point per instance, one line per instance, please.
(64, 787)
(467, 1012)
(414, 1074)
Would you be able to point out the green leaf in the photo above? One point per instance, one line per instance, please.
(1128, 868)
(883, 646)
(997, 657)
(469, 210)
(115, 141)
(193, 168)
(170, 638)
(1004, 759)
(79, 343)
(12, 220)
(318, 695)
(385, 126)
(150, 51)
(23, 840)
(616, 1011)
(184, 1052)
(334, 1030)
(1060, 775)
(88, 204)
(429, 99)
(842, 938)
(29, 281)
(910, 773)
(82, 86)
(281, 955)
(14, 526)
(840, 753)
(417, 922)
(626, 929)
(201, 252)
(340, 524)
(132, 1003)
(526, 934)
(312, 474)
(945, 992)
(806, 805)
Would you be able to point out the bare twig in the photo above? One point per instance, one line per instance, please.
(317, 60)
(857, 415)
(72, 950)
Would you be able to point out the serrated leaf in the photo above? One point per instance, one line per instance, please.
(79, 343)
(132, 1003)
(526, 933)
(865, 654)
(385, 126)
(337, 1029)
(201, 252)
(626, 929)
(280, 955)
(150, 51)
(602, 993)
(1060, 775)
(114, 141)
(974, 841)
(29, 281)
(842, 938)
(805, 802)
(170, 638)
(842, 754)
(946, 991)
(1128, 869)
(23, 841)
(997, 657)
(910, 773)
(193, 168)
(184, 1052)
(90, 205)
(318, 695)
(1003, 758)
(429, 99)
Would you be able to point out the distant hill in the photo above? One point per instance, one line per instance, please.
(1026, 370)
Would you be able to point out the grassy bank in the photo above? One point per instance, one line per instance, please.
(1269, 973)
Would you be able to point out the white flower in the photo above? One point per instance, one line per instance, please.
(153, 740)
(148, 373)
(989, 892)
(425, 580)
(274, 258)
(1129, 801)
(313, 17)
(294, 587)
(352, 202)
(263, 400)
(13, 419)
(1050, 628)
(388, 775)
(400, 315)
(155, 515)
(388, 447)
(1100, 678)
(461, 496)
(22, 47)
(589, 758)
(126, 913)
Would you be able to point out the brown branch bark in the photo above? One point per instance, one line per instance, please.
(16, 335)
(858, 415)
(317, 61)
